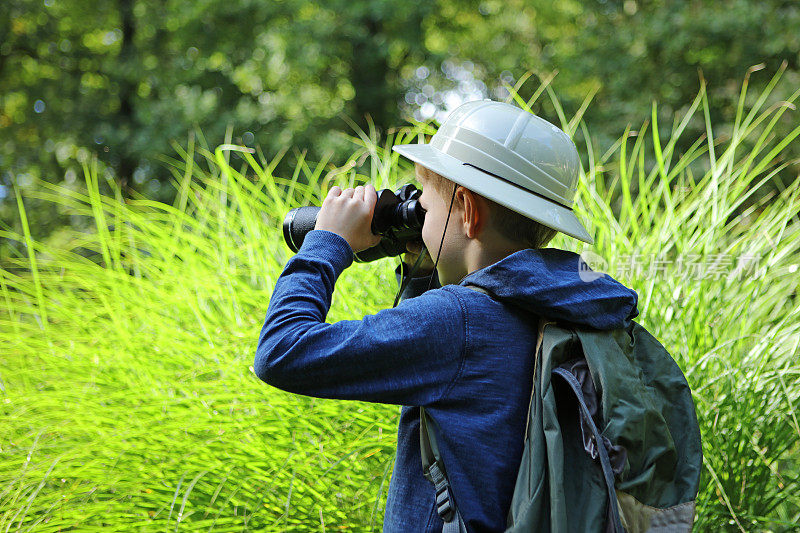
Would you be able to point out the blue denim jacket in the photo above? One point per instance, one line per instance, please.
(462, 354)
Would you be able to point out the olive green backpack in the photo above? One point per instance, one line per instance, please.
(619, 388)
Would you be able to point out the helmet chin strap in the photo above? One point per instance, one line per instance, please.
(430, 279)
(407, 277)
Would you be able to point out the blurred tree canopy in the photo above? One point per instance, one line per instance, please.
(632, 52)
(122, 79)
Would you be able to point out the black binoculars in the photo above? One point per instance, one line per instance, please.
(398, 218)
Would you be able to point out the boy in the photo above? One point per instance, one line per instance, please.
(498, 183)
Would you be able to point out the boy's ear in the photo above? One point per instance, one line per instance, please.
(475, 211)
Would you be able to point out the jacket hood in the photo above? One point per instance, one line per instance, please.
(559, 285)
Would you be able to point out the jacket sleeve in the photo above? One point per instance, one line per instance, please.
(417, 285)
(407, 355)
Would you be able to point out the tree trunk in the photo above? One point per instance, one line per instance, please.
(127, 161)
(369, 72)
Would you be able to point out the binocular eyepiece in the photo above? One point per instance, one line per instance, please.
(398, 217)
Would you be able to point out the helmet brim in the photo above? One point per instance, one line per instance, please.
(516, 198)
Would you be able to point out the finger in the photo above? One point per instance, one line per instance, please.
(348, 193)
(358, 194)
(334, 191)
(370, 196)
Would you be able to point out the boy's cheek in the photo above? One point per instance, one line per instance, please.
(425, 235)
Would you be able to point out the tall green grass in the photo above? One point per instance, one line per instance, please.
(128, 396)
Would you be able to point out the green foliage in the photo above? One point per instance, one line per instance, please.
(128, 396)
(130, 76)
(634, 52)
(123, 80)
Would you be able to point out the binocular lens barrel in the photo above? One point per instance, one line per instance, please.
(297, 223)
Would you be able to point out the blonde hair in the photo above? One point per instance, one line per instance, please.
(515, 227)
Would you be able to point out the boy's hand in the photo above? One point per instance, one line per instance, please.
(410, 257)
(348, 213)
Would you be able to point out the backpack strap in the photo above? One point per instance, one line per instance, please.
(615, 524)
(433, 469)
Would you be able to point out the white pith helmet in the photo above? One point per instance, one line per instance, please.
(510, 156)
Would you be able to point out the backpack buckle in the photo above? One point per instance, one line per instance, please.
(444, 505)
